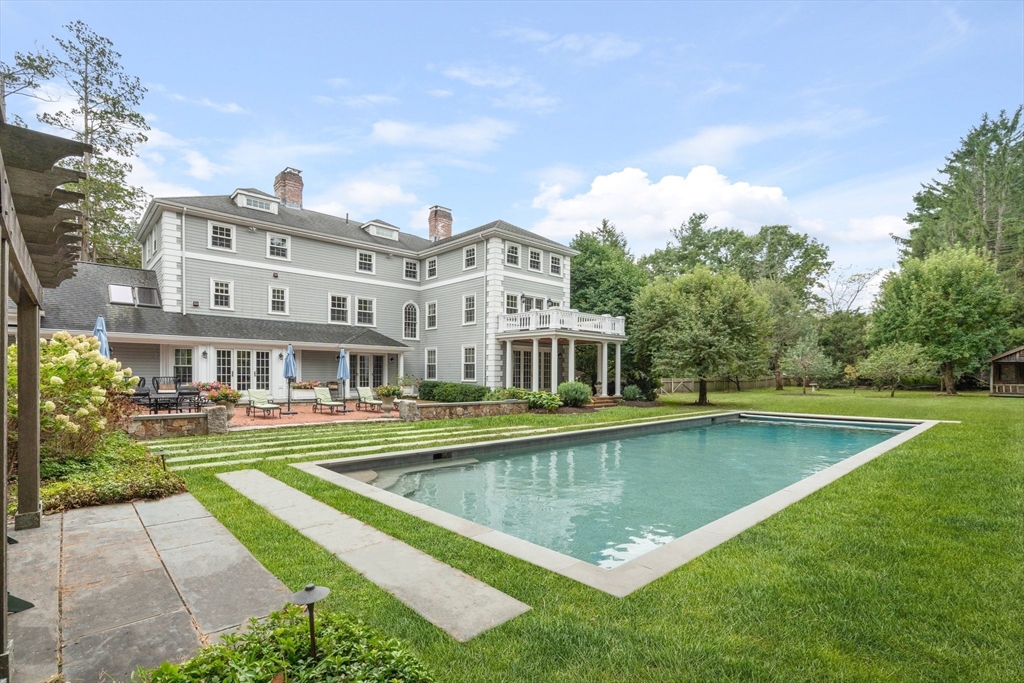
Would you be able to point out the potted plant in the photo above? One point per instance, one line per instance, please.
(388, 393)
(410, 384)
(224, 395)
(303, 391)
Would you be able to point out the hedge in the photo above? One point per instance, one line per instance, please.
(452, 392)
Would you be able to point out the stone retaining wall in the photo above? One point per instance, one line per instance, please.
(213, 420)
(411, 411)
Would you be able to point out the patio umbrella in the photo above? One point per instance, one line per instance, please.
(289, 375)
(100, 332)
(343, 370)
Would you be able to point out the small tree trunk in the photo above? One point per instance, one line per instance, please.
(737, 380)
(803, 380)
(892, 390)
(778, 378)
(702, 397)
(947, 379)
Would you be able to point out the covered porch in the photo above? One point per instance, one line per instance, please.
(1006, 374)
(538, 348)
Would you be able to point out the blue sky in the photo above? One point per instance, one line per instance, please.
(824, 116)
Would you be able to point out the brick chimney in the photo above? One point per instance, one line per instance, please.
(288, 187)
(440, 223)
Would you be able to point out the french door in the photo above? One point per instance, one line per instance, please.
(366, 370)
(243, 369)
(522, 369)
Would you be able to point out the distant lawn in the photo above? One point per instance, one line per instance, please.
(910, 568)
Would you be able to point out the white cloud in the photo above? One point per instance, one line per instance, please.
(200, 167)
(361, 198)
(485, 76)
(583, 48)
(338, 82)
(222, 107)
(646, 210)
(520, 91)
(475, 137)
(361, 101)
(437, 92)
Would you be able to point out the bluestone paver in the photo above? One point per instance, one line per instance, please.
(459, 604)
(34, 575)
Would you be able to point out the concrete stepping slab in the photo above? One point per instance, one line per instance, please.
(452, 600)
(93, 565)
(34, 574)
(116, 602)
(174, 509)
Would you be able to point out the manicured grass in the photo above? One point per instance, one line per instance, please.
(907, 569)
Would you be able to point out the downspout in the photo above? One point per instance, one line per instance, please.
(183, 307)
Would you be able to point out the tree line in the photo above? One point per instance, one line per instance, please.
(717, 303)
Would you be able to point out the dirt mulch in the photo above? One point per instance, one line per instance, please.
(564, 410)
(640, 404)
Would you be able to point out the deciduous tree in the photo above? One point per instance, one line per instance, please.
(807, 361)
(890, 364)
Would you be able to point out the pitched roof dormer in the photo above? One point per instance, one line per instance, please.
(379, 228)
(249, 198)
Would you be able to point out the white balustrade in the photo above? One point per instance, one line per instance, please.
(563, 319)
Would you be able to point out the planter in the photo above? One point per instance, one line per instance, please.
(387, 404)
(230, 408)
(303, 395)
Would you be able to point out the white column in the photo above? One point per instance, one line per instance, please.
(534, 366)
(618, 369)
(508, 364)
(603, 365)
(571, 366)
(401, 365)
(387, 358)
(554, 364)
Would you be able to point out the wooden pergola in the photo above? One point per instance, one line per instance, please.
(1006, 374)
(39, 247)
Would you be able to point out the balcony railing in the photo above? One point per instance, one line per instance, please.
(563, 319)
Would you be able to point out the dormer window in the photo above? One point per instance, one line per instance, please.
(381, 229)
(254, 199)
(260, 204)
(130, 295)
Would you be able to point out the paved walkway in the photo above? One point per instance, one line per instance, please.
(122, 586)
(304, 415)
(446, 597)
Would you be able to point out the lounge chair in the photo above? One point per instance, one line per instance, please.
(322, 395)
(366, 399)
(258, 401)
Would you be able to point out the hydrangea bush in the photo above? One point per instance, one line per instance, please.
(82, 395)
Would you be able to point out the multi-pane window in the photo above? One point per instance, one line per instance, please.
(277, 246)
(536, 260)
(431, 372)
(410, 322)
(556, 265)
(432, 315)
(531, 302)
(469, 258)
(378, 371)
(221, 294)
(468, 363)
(511, 303)
(278, 300)
(365, 261)
(469, 309)
(339, 309)
(261, 204)
(512, 255)
(365, 313)
(224, 366)
(431, 268)
(222, 237)
(183, 366)
(412, 270)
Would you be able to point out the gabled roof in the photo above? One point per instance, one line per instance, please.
(1019, 351)
(253, 190)
(513, 230)
(76, 303)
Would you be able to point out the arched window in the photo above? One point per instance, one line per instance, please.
(411, 318)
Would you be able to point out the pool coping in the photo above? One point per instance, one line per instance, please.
(638, 572)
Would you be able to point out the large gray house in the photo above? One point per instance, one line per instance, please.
(228, 281)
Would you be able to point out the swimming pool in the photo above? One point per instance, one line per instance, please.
(627, 503)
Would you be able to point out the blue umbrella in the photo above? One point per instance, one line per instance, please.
(290, 374)
(343, 375)
(100, 332)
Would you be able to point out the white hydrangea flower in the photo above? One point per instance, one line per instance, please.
(56, 381)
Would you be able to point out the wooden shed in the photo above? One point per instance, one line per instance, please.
(1006, 376)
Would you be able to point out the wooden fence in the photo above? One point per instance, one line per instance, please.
(677, 385)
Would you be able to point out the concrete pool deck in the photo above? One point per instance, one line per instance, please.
(638, 572)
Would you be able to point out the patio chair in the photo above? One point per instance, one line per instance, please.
(165, 385)
(324, 400)
(191, 400)
(366, 399)
(258, 401)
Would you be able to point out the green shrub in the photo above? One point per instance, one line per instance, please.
(544, 400)
(632, 393)
(511, 393)
(347, 650)
(452, 392)
(574, 394)
(82, 395)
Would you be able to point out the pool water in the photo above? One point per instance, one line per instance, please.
(609, 501)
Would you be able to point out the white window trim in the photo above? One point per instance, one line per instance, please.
(476, 257)
(288, 246)
(519, 303)
(231, 293)
(406, 277)
(417, 306)
(371, 253)
(426, 319)
(426, 270)
(355, 312)
(462, 363)
(539, 269)
(520, 252)
(476, 309)
(209, 236)
(348, 307)
(426, 355)
(270, 300)
(561, 265)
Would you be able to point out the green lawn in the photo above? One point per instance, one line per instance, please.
(911, 568)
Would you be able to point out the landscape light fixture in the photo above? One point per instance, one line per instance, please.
(307, 597)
